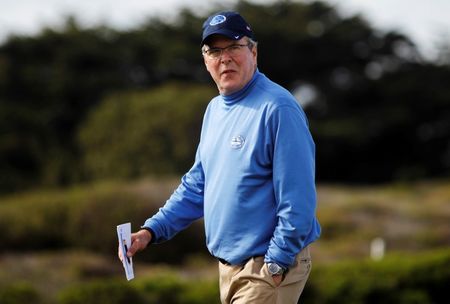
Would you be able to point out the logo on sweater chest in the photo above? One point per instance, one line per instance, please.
(237, 142)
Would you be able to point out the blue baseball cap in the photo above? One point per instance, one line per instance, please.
(229, 24)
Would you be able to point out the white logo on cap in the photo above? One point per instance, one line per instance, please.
(218, 20)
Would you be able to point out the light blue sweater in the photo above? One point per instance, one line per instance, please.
(252, 180)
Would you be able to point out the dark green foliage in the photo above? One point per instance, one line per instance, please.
(141, 133)
(86, 218)
(398, 279)
(173, 290)
(379, 112)
(165, 289)
(388, 128)
(35, 224)
(102, 292)
(19, 293)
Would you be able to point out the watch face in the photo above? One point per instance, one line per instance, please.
(274, 268)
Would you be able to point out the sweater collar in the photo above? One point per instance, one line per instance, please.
(237, 96)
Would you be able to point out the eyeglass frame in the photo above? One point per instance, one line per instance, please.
(250, 44)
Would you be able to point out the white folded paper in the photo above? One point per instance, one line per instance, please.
(124, 235)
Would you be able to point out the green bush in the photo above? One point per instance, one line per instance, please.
(19, 293)
(162, 289)
(77, 217)
(172, 290)
(151, 132)
(398, 279)
(401, 279)
(34, 221)
(93, 220)
(165, 288)
(86, 218)
(107, 292)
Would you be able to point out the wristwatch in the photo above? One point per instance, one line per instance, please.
(275, 269)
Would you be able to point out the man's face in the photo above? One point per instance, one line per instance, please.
(231, 72)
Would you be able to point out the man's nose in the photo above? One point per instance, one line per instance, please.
(225, 56)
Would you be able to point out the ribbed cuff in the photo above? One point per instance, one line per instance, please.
(152, 233)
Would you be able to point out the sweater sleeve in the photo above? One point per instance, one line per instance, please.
(293, 182)
(183, 207)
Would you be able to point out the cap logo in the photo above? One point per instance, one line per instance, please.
(218, 20)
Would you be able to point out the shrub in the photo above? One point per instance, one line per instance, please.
(140, 133)
(169, 289)
(19, 293)
(86, 218)
(105, 292)
(397, 279)
(164, 288)
(31, 222)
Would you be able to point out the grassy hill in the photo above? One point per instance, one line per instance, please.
(59, 246)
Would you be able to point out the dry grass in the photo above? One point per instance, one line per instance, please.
(411, 217)
(51, 272)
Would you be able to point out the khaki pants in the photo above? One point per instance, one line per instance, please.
(251, 283)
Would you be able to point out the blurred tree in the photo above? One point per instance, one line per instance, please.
(50, 82)
(141, 133)
(374, 114)
(364, 90)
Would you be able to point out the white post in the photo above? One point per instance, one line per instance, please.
(377, 249)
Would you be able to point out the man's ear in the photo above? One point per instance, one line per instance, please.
(255, 51)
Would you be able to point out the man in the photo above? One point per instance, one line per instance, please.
(252, 179)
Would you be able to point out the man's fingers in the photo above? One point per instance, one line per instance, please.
(139, 241)
(136, 245)
(119, 253)
(133, 249)
(277, 279)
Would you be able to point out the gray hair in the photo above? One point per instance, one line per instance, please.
(252, 43)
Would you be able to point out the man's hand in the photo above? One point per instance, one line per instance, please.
(277, 279)
(139, 242)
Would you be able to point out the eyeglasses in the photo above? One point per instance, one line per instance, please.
(232, 50)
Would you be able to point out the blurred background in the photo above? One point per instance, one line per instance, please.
(101, 104)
